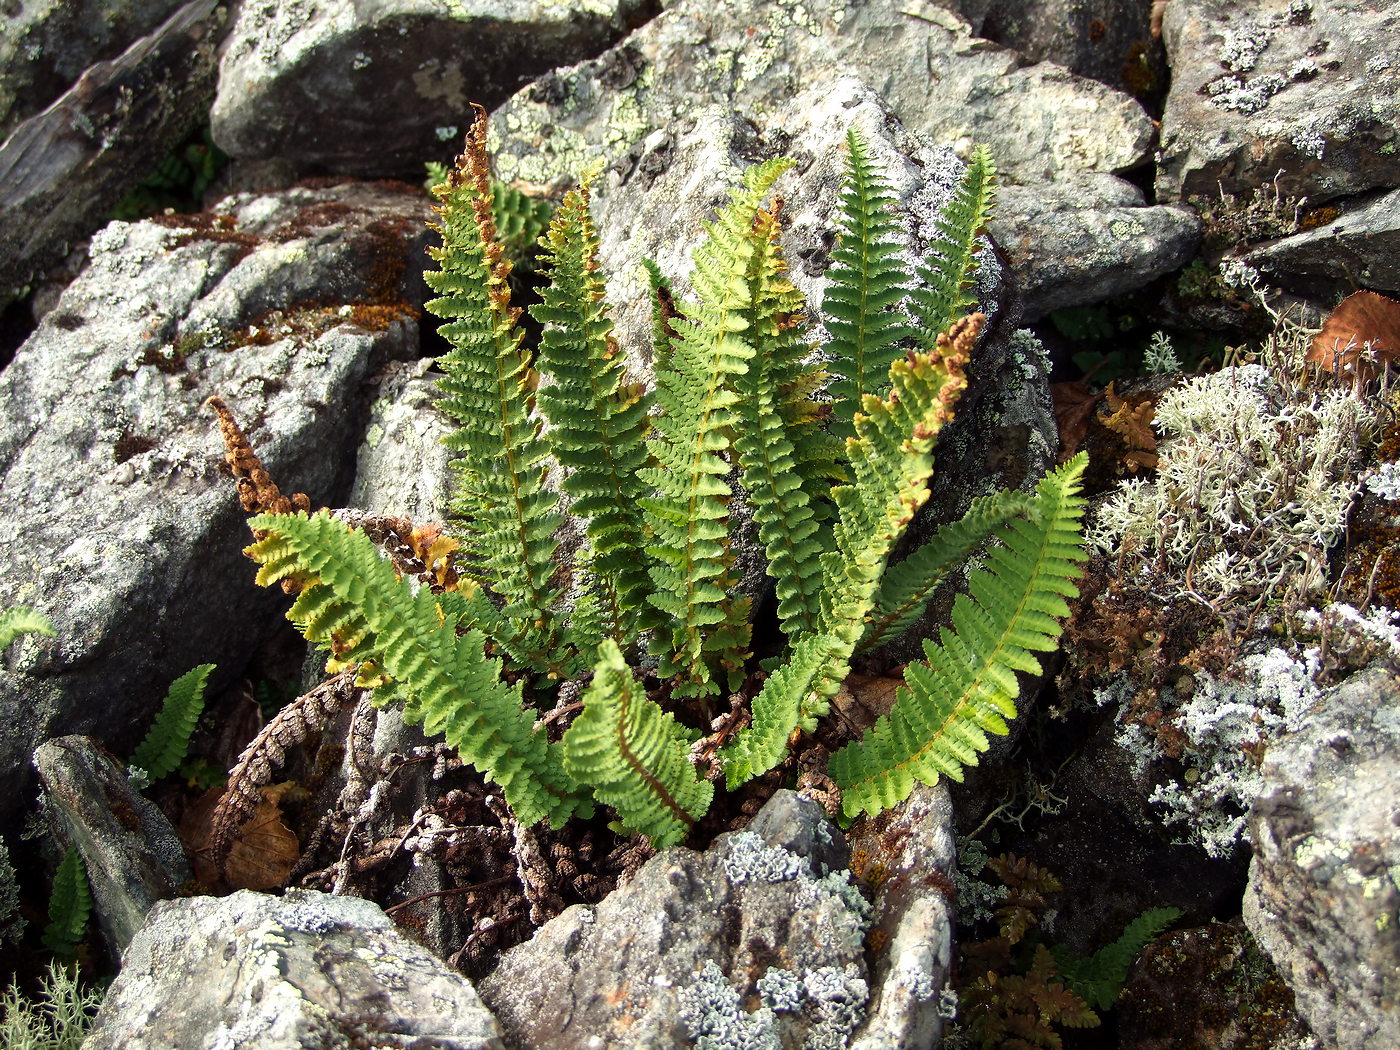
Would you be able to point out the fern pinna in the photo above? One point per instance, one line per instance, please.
(832, 460)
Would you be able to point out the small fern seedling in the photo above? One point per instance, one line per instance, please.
(70, 904)
(164, 747)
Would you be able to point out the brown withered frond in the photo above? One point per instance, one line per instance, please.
(257, 492)
(305, 715)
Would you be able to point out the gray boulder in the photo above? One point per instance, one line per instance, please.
(671, 956)
(283, 973)
(49, 44)
(1323, 886)
(1088, 238)
(378, 88)
(1308, 88)
(752, 59)
(130, 852)
(62, 170)
(121, 524)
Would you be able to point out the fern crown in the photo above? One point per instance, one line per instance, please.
(832, 461)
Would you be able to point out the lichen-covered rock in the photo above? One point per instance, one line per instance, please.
(377, 88)
(1359, 244)
(1088, 238)
(130, 852)
(63, 169)
(751, 59)
(285, 973)
(1324, 885)
(1306, 89)
(49, 44)
(120, 524)
(912, 846)
(402, 467)
(682, 951)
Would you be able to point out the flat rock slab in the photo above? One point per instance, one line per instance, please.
(285, 973)
(1309, 88)
(752, 58)
(1324, 885)
(130, 852)
(120, 523)
(64, 169)
(1360, 246)
(378, 87)
(49, 44)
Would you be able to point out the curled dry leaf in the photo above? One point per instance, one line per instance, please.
(1360, 335)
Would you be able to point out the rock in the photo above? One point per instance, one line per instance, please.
(1359, 246)
(751, 59)
(378, 88)
(282, 973)
(1207, 989)
(1323, 886)
(62, 170)
(403, 465)
(1106, 40)
(132, 856)
(48, 44)
(913, 847)
(121, 525)
(671, 955)
(1308, 88)
(1086, 239)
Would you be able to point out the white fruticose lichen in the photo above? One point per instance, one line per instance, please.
(1227, 725)
(781, 991)
(1254, 479)
(1160, 356)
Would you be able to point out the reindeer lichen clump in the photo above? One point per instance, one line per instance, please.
(473, 633)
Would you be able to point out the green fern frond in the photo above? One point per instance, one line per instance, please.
(688, 517)
(507, 516)
(1098, 979)
(163, 748)
(352, 603)
(891, 457)
(868, 282)
(22, 620)
(665, 316)
(906, 586)
(70, 904)
(773, 449)
(945, 275)
(967, 687)
(634, 755)
(598, 418)
(779, 706)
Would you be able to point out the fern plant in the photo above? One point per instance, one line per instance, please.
(646, 607)
(70, 904)
(22, 620)
(164, 746)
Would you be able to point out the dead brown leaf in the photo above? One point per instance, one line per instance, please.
(1360, 335)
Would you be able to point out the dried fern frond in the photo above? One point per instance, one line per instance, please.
(254, 770)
